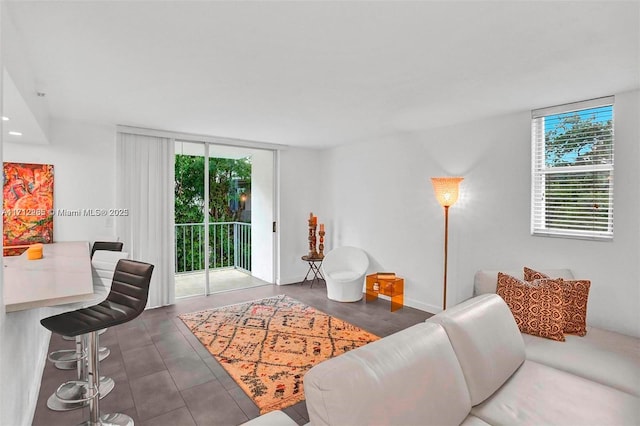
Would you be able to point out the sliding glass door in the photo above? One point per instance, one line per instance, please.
(217, 240)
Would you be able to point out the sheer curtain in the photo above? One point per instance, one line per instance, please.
(145, 187)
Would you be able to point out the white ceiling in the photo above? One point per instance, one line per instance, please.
(318, 74)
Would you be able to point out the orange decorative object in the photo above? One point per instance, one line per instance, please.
(390, 287)
(34, 252)
(27, 204)
(313, 224)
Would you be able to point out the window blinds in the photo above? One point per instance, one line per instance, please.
(572, 170)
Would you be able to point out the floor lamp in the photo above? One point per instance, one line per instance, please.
(446, 189)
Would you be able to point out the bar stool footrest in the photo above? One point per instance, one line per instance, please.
(71, 364)
(115, 419)
(71, 395)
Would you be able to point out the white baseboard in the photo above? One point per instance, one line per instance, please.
(289, 280)
(427, 307)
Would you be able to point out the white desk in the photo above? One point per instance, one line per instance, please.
(63, 275)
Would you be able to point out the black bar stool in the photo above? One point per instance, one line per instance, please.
(126, 300)
(67, 359)
(103, 265)
(106, 245)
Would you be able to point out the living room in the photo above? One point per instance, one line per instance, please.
(437, 90)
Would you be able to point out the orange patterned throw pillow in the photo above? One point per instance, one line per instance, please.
(575, 294)
(536, 306)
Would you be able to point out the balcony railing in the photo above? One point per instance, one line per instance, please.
(229, 246)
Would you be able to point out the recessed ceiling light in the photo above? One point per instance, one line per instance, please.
(5, 118)
(15, 133)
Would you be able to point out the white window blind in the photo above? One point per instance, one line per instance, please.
(572, 170)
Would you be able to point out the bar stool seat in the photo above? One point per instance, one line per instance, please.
(126, 300)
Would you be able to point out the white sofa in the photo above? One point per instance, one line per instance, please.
(470, 365)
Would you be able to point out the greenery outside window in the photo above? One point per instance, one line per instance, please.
(572, 170)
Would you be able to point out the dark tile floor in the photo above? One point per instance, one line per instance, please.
(164, 376)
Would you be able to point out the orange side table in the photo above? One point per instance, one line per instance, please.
(391, 287)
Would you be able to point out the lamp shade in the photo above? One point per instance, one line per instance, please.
(446, 189)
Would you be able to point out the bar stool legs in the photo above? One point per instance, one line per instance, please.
(72, 395)
(93, 391)
(65, 359)
(130, 278)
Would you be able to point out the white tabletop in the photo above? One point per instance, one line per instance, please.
(63, 275)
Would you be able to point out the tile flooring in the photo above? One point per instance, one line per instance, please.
(164, 376)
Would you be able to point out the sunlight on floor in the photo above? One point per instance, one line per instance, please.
(192, 283)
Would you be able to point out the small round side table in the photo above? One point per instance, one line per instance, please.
(314, 268)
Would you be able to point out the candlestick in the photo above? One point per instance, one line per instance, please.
(321, 245)
(312, 236)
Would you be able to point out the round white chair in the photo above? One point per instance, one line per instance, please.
(344, 269)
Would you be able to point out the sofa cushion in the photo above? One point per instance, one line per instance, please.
(272, 418)
(575, 294)
(486, 281)
(538, 306)
(411, 377)
(540, 395)
(486, 341)
(602, 356)
(472, 420)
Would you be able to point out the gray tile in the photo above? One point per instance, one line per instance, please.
(45, 417)
(245, 403)
(142, 361)
(118, 399)
(211, 404)
(188, 370)
(179, 417)
(173, 344)
(133, 337)
(301, 409)
(159, 325)
(113, 366)
(155, 394)
(295, 416)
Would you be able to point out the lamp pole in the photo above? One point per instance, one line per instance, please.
(446, 190)
(446, 251)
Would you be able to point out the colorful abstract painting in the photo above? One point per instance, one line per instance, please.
(27, 204)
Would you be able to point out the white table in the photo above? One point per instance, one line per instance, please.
(63, 275)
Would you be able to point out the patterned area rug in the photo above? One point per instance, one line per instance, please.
(268, 345)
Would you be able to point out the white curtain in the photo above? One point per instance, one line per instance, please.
(145, 187)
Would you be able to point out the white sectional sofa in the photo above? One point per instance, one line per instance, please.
(603, 356)
(471, 365)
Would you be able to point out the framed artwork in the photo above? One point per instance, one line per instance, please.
(27, 204)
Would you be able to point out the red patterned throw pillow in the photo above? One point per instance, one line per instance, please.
(575, 294)
(538, 306)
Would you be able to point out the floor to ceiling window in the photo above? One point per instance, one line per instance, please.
(214, 207)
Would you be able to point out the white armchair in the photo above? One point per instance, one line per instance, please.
(344, 269)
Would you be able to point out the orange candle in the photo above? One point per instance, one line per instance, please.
(322, 227)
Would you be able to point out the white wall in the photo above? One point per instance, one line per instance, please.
(83, 157)
(380, 198)
(300, 184)
(84, 161)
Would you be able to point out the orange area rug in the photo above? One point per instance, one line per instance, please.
(268, 345)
